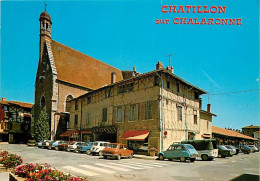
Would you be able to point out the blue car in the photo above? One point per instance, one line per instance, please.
(245, 149)
(85, 148)
(179, 151)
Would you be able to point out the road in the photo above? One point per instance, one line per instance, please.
(96, 168)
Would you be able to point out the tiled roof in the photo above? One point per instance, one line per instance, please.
(21, 104)
(80, 69)
(231, 133)
(252, 127)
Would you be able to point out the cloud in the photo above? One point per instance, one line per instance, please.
(211, 80)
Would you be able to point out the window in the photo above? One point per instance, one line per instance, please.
(88, 100)
(104, 115)
(88, 119)
(168, 85)
(133, 112)
(179, 108)
(76, 105)
(195, 119)
(178, 87)
(120, 114)
(125, 88)
(108, 93)
(42, 102)
(76, 119)
(68, 99)
(196, 95)
(148, 110)
(156, 80)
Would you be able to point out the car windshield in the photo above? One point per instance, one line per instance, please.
(95, 144)
(228, 147)
(190, 147)
(112, 146)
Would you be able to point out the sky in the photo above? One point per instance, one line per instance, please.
(124, 34)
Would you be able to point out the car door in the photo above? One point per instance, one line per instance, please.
(169, 152)
(177, 151)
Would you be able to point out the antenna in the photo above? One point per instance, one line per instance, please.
(169, 59)
(45, 5)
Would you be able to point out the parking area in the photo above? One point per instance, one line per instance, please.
(97, 168)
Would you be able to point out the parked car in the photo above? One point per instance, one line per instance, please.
(237, 149)
(53, 144)
(232, 149)
(245, 149)
(39, 144)
(63, 145)
(223, 152)
(73, 145)
(143, 149)
(179, 151)
(31, 143)
(45, 144)
(84, 148)
(255, 149)
(97, 147)
(206, 148)
(117, 150)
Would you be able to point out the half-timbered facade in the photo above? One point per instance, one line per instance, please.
(15, 121)
(157, 108)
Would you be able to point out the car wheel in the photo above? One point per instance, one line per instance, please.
(88, 152)
(183, 159)
(56, 148)
(161, 157)
(49, 147)
(118, 157)
(67, 149)
(192, 159)
(131, 156)
(99, 153)
(204, 157)
(105, 157)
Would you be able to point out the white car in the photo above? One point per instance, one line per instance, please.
(255, 149)
(97, 147)
(73, 145)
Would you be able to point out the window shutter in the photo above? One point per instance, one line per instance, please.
(123, 113)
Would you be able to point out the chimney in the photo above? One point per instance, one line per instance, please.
(208, 107)
(3, 99)
(170, 68)
(113, 77)
(159, 65)
(134, 69)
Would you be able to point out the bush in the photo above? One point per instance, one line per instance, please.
(43, 172)
(10, 160)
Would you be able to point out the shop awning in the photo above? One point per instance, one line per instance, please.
(86, 131)
(135, 135)
(69, 133)
(206, 136)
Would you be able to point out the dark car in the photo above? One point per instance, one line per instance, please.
(245, 149)
(223, 152)
(63, 145)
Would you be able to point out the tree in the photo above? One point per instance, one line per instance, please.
(42, 126)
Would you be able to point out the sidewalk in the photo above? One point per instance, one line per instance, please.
(145, 157)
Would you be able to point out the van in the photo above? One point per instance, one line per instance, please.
(207, 149)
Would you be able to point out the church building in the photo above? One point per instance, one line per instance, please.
(63, 74)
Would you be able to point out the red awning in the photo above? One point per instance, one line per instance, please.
(135, 135)
(68, 133)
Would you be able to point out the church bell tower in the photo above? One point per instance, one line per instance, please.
(45, 30)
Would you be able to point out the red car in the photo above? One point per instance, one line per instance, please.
(117, 150)
(63, 145)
